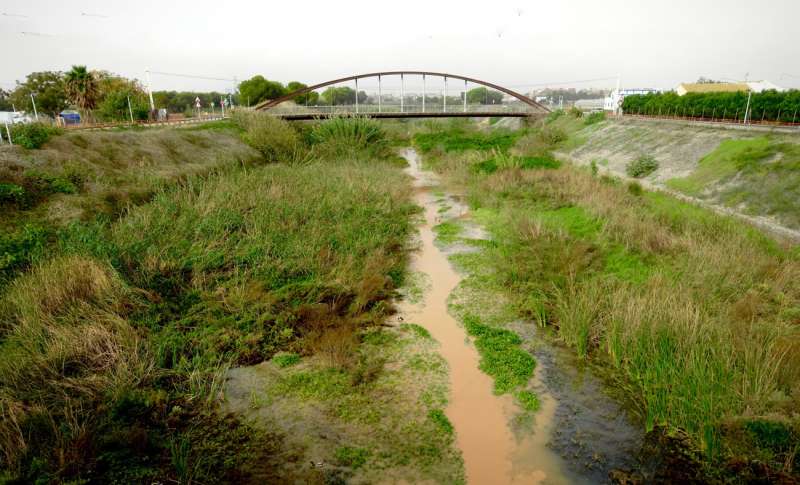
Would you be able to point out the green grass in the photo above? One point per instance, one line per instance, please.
(459, 140)
(501, 355)
(351, 456)
(418, 330)
(447, 232)
(527, 400)
(390, 425)
(286, 359)
(763, 174)
(228, 268)
(441, 421)
(692, 311)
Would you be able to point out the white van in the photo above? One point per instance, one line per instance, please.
(14, 117)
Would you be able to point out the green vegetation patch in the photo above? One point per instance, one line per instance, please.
(501, 355)
(641, 167)
(352, 457)
(527, 400)
(286, 359)
(32, 135)
(448, 232)
(762, 174)
(456, 140)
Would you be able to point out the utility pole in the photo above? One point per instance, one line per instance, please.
(150, 90)
(130, 111)
(35, 113)
(747, 109)
(356, 95)
(379, 94)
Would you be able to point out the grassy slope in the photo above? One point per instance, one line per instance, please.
(761, 173)
(697, 314)
(225, 269)
(82, 176)
(751, 172)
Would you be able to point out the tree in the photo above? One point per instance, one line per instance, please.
(5, 100)
(114, 106)
(48, 89)
(338, 96)
(82, 88)
(482, 95)
(310, 98)
(258, 89)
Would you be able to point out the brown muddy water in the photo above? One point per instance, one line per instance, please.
(578, 435)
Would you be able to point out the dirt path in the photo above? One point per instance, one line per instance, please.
(492, 454)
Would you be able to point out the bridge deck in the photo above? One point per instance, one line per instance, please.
(458, 114)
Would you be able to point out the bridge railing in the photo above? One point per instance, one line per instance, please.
(289, 108)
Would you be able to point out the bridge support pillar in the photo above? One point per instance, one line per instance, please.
(356, 95)
(379, 93)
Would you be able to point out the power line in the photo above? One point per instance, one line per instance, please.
(191, 76)
(561, 83)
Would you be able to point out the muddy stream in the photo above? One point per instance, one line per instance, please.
(577, 435)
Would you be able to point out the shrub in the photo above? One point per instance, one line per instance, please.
(274, 138)
(552, 135)
(595, 117)
(11, 193)
(554, 115)
(347, 135)
(351, 456)
(635, 188)
(575, 112)
(66, 345)
(641, 167)
(32, 135)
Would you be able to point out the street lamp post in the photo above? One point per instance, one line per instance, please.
(35, 113)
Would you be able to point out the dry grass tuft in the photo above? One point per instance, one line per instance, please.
(67, 344)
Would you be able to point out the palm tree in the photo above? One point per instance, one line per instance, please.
(82, 88)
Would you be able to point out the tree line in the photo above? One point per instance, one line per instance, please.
(767, 105)
(259, 89)
(97, 95)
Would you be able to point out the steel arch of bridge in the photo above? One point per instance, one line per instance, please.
(274, 102)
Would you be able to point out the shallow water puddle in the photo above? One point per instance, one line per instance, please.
(482, 420)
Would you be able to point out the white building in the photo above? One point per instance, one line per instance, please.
(758, 86)
(614, 101)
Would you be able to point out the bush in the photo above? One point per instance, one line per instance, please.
(575, 112)
(595, 117)
(274, 138)
(554, 115)
(641, 167)
(32, 135)
(11, 193)
(346, 135)
(552, 135)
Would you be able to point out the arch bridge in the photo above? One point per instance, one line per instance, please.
(441, 105)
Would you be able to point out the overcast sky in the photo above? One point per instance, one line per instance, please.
(515, 43)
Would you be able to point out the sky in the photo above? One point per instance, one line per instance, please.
(515, 43)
